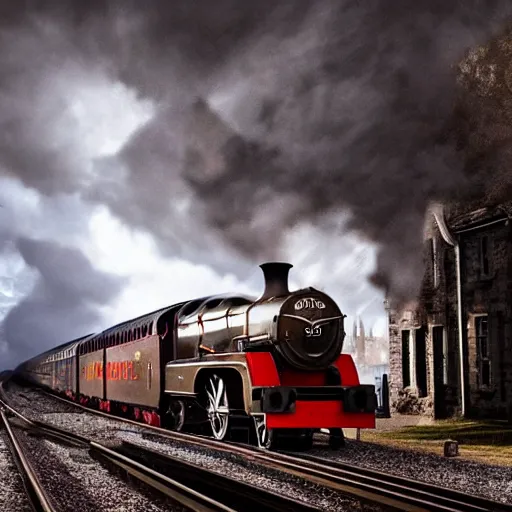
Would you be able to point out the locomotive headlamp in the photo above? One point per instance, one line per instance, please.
(360, 399)
(278, 399)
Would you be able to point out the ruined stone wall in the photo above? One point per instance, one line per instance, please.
(430, 305)
(437, 306)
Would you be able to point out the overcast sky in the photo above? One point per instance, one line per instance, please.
(156, 151)
(101, 116)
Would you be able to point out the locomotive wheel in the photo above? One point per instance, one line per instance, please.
(336, 439)
(265, 437)
(217, 406)
(177, 415)
(305, 442)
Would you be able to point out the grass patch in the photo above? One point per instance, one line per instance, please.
(484, 441)
(464, 431)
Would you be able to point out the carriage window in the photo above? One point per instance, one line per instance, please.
(212, 304)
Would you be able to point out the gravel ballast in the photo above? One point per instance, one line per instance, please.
(491, 482)
(12, 492)
(75, 481)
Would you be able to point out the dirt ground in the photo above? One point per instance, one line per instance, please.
(390, 424)
(483, 441)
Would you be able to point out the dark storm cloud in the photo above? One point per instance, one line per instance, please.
(358, 116)
(64, 302)
(304, 108)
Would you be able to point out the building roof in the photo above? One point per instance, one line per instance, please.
(474, 215)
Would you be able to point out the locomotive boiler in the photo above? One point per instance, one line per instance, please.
(227, 365)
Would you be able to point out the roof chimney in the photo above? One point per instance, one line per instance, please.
(276, 279)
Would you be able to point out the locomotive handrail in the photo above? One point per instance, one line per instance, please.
(320, 321)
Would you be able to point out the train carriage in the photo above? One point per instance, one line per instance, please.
(90, 371)
(65, 369)
(136, 352)
(54, 369)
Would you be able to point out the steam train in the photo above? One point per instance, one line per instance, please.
(226, 366)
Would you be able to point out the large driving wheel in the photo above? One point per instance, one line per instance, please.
(217, 406)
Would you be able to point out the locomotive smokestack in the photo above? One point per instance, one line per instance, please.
(276, 279)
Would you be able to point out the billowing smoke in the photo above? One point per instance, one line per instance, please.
(66, 298)
(267, 116)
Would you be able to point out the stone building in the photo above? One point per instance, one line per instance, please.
(451, 351)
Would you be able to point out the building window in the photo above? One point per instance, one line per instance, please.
(482, 346)
(406, 359)
(484, 256)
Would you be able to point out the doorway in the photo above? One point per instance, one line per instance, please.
(421, 361)
(439, 372)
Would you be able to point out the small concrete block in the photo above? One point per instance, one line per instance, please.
(451, 448)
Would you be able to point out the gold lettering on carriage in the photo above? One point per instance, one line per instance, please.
(309, 303)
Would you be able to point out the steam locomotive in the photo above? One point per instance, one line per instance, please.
(225, 365)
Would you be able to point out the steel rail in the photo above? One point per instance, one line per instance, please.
(384, 488)
(187, 496)
(468, 501)
(39, 500)
(241, 495)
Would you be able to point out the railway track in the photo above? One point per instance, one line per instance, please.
(362, 483)
(191, 486)
(36, 493)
